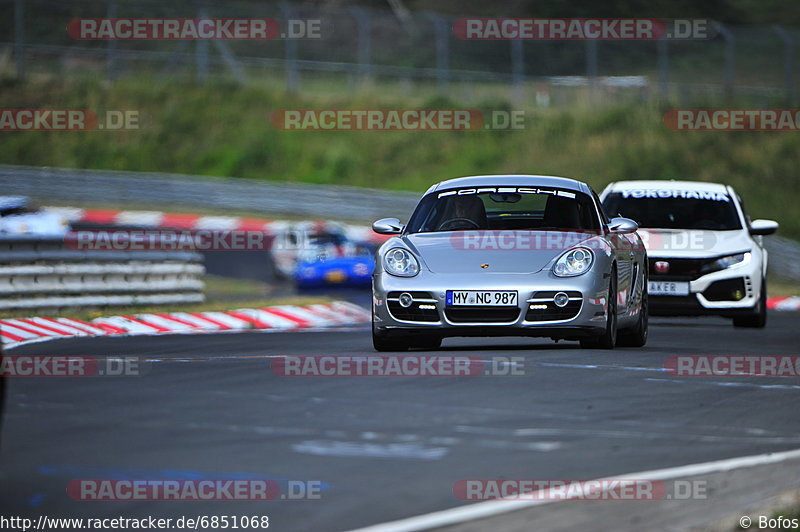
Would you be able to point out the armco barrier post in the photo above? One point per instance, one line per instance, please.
(292, 75)
(663, 68)
(441, 31)
(364, 43)
(788, 62)
(201, 52)
(19, 37)
(730, 60)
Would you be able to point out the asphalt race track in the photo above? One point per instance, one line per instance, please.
(382, 448)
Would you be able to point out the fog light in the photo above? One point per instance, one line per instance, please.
(561, 299)
(737, 294)
(405, 300)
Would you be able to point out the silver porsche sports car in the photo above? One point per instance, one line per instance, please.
(515, 255)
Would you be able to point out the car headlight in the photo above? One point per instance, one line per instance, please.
(574, 262)
(400, 262)
(726, 262)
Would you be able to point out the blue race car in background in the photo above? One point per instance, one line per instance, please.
(332, 259)
(322, 254)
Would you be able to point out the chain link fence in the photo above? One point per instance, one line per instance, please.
(359, 47)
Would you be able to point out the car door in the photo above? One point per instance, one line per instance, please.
(623, 246)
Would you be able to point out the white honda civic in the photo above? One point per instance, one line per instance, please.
(705, 254)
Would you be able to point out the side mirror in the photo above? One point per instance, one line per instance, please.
(622, 226)
(388, 226)
(763, 227)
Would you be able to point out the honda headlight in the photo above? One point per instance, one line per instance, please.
(400, 262)
(726, 262)
(574, 262)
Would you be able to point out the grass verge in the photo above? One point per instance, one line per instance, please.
(224, 130)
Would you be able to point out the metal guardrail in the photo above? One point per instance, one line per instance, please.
(320, 201)
(38, 273)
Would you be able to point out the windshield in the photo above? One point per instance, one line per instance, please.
(713, 211)
(514, 208)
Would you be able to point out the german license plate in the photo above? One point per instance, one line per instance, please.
(483, 298)
(668, 288)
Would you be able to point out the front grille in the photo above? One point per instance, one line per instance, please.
(412, 313)
(684, 269)
(726, 290)
(554, 313)
(679, 269)
(482, 314)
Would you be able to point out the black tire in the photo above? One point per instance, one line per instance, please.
(383, 343)
(636, 336)
(608, 339)
(757, 320)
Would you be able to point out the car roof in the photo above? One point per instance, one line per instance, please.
(13, 202)
(512, 180)
(700, 186)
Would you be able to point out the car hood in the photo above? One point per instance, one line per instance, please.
(502, 251)
(686, 243)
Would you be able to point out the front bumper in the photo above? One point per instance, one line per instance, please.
(534, 315)
(730, 292)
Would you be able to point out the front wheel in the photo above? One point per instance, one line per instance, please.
(758, 319)
(636, 336)
(384, 343)
(609, 337)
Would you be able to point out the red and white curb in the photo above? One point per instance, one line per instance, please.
(791, 303)
(166, 220)
(17, 331)
(188, 221)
